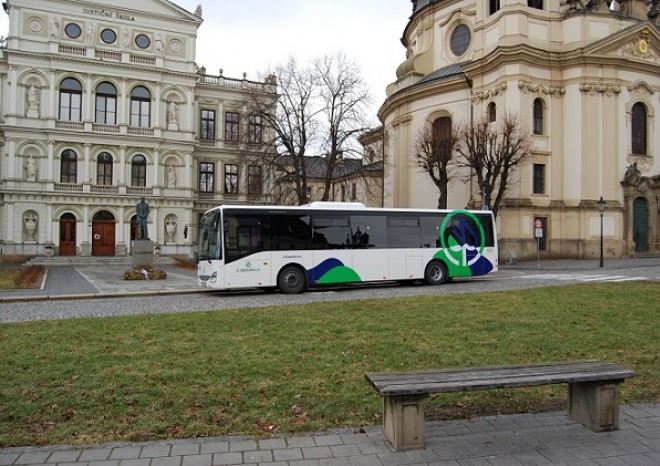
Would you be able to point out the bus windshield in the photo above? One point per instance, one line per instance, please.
(209, 237)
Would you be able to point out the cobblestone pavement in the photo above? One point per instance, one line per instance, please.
(528, 439)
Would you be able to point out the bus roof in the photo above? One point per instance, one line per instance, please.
(339, 206)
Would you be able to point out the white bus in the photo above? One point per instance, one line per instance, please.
(294, 248)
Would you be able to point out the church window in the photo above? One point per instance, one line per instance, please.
(538, 4)
(460, 39)
(493, 6)
(539, 179)
(638, 129)
(492, 112)
(538, 116)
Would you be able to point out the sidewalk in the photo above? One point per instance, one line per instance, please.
(528, 439)
(97, 282)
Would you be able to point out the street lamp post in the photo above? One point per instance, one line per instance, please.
(601, 210)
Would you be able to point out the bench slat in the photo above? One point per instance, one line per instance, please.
(484, 378)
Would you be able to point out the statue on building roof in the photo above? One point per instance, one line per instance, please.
(198, 11)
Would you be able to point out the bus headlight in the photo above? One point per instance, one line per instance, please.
(214, 278)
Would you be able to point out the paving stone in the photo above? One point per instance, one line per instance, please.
(8, 458)
(583, 453)
(298, 442)
(272, 443)
(104, 463)
(199, 460)
(185, 449)
(135, 462)
(639, 460)
(167, 461)
(334, 462)
(531, 458)
(353, 439)
(312, 453)
(225, 458)
(257, 456)
(246, 445)
(365, 460)
(37, 457)
(610, 462)
(374, 447)
(155, 451)
(345, 450)
(214, 447)
(327, 440)
(504, 460)
(125, 453)
(287, 454)
(305, 463)
(69, 456)
(95, 454)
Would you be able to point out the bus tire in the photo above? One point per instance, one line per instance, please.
(291, 280)
(435, 273)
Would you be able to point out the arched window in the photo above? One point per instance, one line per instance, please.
(68, 167)
(106, 104)
(538, 116)
(638, 129)
(442, 137)
(140, 107)
(139, 171)
(104, 169)
(70, 100)
(492, 112)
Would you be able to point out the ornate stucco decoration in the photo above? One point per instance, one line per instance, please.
(593, 88)
(553, 90)
(640, 48)
(634, 178)
(480, 96)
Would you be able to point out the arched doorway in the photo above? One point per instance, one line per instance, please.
(68, 235)
(103, 234)
(641, 225)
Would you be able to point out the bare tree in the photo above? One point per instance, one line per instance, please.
(343, 96)
(433, 152)
(492, 153)
(291, 127)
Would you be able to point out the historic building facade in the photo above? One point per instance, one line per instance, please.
(583, 77)
(102, 104)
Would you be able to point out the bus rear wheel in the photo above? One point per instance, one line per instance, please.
(435, 273)
(291, 280)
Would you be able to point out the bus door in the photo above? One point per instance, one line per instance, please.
(247, 240)
(371, 260)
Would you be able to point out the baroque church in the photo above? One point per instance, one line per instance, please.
(583, 77)
(102, 104)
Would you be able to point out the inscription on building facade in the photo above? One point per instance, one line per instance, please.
(109, 14)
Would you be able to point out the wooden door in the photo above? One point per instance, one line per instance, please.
(103, 238)
(67, 236)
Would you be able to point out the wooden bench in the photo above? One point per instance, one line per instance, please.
(593, 393)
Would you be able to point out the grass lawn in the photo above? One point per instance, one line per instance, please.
(21, 278)
(301, 368)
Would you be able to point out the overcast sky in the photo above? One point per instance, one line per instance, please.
(253, 36)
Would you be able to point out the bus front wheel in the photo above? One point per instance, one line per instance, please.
(435, 273)
(291, 280)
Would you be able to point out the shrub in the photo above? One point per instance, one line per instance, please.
(144, 272)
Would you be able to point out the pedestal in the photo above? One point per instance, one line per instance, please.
(403, 421)
(594, 405)
(143, 252)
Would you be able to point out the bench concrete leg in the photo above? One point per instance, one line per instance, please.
(403, 421)
(595, 405)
